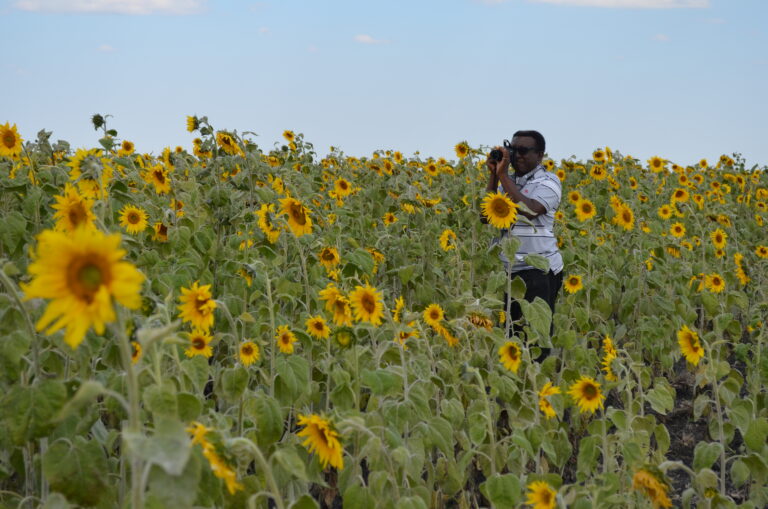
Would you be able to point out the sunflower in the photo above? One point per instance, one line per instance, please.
(133, 219)
(82, 273)
(574, 196)
(199, 343)
(431, 169)
(624, 217)
(265, 225)
(317, 327)
(714, 283)
(399, 305)
(585, 209)
(656, 164)
(448, 240)
(690, 345)
(499, 209)
(541, 495)
(322, 439)
(597, 172)
(289, 135)
(342, 313)
(652, 487)
(126, 148)
(197, 306)
(480, 320)
(161, 232)
(73, 210)
(389, 218)
(10, 141)
(342, 187)
(366, 304)
(228, 144)
(544, 405)
(249, 353)
(285, 339)
(298, 216)
(433, 315)
(586, 392)
(680, 195)
(665, 211)
(599, 155)
(158, 176)
(462, 149)
(609, 354)
(632, 183)
(329, 257)
(135, 352)
(573, 283)
(193, 123)
(509, 356)
(446, 335)
(677, 230)
(762, 251)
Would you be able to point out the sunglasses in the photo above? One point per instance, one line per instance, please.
(520, 150)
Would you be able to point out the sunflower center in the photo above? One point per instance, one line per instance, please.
(86, 276)
(626, 216)
(546, 497)
(590, 391)
(77, 214)
(247, 350)
(500, 208)
(201, 303)
(297, 213)
(198, 343)
(368, 303)
(328, 255)
(586, 208)
(160, 177)
(9, 139)
(133, 218)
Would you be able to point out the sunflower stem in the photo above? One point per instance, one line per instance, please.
(719, 410)
(272, 342)
(489, 421)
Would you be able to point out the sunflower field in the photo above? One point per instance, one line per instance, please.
(228, 325)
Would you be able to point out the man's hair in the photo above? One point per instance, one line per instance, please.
(541, 145)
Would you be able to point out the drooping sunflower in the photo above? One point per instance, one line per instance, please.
(298, 216)
(329, 257)
(462, 149)
(399, 305)
(83, 274)
(342, 312)
(199, 343)
(624, 217)
(572, 283)
(714, 283)
(367, 305)
(499, 209)
(447, 240)
(197, 306)
(289, 135)
(586, 393)
(285, 339)
(690, 345)
(509, 356)
(321, 439)
(541, 495)
(193, 124)
(677, 230)
(433, 315)
(249, 353)
(133, 219)
(653, 487)
(73, 210)
(317, 327)
(10, 141)
(544, 405)
(228, 144)
(585, 209)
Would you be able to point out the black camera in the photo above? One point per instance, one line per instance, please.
(497, 154)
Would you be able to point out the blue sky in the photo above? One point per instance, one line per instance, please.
(682, 79)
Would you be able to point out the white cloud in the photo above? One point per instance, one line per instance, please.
(106, 48)
(628, 4)
(661, 37)
(113, 6)
(367, 39)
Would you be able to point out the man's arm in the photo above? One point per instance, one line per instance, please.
(502, 175)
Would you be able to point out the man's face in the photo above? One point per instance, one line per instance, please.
(523, 163)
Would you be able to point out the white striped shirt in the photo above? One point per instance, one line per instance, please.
(545, 188)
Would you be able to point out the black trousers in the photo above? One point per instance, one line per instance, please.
(545, 285)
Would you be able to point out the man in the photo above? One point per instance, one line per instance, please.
(540, 191)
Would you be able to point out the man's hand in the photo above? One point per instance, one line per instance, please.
(502, 166)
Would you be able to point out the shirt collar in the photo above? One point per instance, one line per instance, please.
(528, 176)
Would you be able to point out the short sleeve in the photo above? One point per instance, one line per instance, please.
(547, 193)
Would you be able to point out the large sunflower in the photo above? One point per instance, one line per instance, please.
(342, 187)
(585, 209)
(690, 345)
(677, 230)
(586, 392)
(499, 209)
(157, 175)
(199, 344)
(228, 144)
(541, 495)
(573, 283)
(433, 315)
(317, 327)
(265, 224)
(298, 216)
(322, 439)
(197, 306)
(10, 141)
(462, 149)
(73, 210)
(133, 219)
(509, 356)
(285, 339)
(249, 353)
(714, 283)
(329, 257)
(366, 304)
(624, 217)
(656, 164)
(82, 273)
(665, 211)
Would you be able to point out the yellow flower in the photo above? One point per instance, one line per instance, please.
(574, 196)
(193, 124)
(656, 164)
(329, 257)
(598, 155)
(135, 352)
(197, 306)
(249, 353)
(228, 144)
(73, 210)
(665, 211)
(544, 405)
(161, 232)
(433, 315)
(572, 283)
(285, 339)
(480, 320)
(317, 327)
(366, 304)
(597, 172)
(586, 392)
(133, 219)
(265, 225)
(762, 251)
(624, 217)
(462, 149)
(322, 439)
(585, 209)
(448, 240)
(399, 305)
(158, 176)
(199, 344)
(509, 356)
(714, 283)
(541, 496)
(289, 135)
(499, 209)
(680, 195)
(389, 218)
(10, 141)
(689, 345)
(298, 216)
(677, 230)
(82, 273)
(653, 488)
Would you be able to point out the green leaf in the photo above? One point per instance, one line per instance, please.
(88, 391)
(189, 407)
(382, 382)
(539, 316)
(756, 435)
(509, 246)
(705, 454)
(441, 434)
(234, 381)
(411, 503)
(358, 497)
(502, 490)
(517, 288)
(169, 447)
(587, 459)
(160, 400)
(264, 410)
(478, 421)
(197, 370)
(290, 461)
(661, 399)
(537, 261)
(177, 491)
(305, 502)
(29, 412)
(739, 473)
(77, 469)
